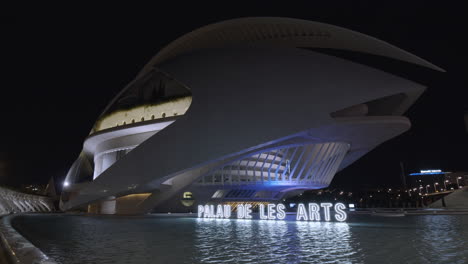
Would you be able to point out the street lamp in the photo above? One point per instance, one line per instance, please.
(435, 188)
(445, 184)
(427, 186)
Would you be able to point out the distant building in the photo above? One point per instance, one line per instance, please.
(436, 180)
(33, 188)
(458, 178)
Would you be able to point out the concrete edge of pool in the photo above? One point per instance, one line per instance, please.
(17, 249)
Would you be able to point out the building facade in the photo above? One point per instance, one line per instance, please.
(245, 109)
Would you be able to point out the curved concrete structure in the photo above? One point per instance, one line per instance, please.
(240, 110)
(455, 200)
(17, 249)
(16, 202)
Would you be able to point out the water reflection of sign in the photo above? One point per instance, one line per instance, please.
(311, 212)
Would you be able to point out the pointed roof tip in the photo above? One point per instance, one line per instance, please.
(50, 189)
(428, 65)
(439, 69)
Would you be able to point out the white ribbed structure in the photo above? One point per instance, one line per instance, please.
(16, 202)
(311, 164)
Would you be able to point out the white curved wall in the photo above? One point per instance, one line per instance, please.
(228, 86)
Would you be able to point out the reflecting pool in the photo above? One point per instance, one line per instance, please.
(156, 239)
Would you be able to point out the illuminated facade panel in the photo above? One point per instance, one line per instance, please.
(310, 164)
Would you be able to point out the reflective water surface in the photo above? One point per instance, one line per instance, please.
(153, 239)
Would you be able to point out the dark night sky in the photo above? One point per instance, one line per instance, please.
(59, 72)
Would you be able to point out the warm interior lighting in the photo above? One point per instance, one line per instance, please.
(140, 113)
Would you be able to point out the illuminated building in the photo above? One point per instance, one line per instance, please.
(242, 110)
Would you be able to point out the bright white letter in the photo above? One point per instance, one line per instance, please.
(261, 212)
(200, 210)
(340, 213)
(219, 211)
(326, 212)
(206, 212)
(301, 212)
(212, 211)
(240, 211)
(280, 209)
(314, 212)
(271, 212)
(227, 211)
(248, 211)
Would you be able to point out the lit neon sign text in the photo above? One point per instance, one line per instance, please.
(309, 212)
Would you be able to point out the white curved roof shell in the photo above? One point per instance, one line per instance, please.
(286, 32)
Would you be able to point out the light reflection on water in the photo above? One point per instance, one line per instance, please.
(366, 239)
(442, 239)
(247, 241)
